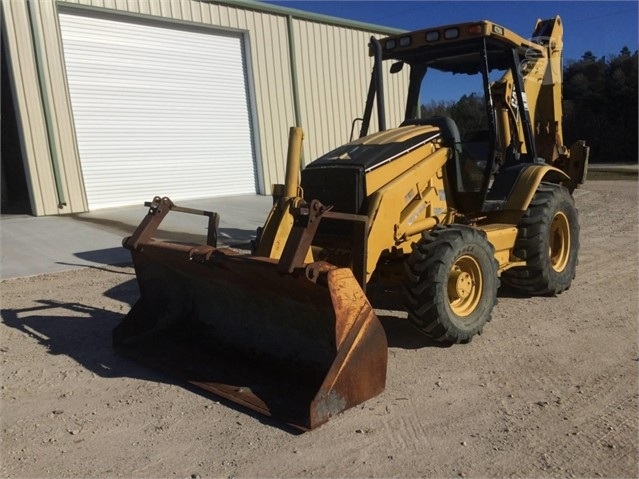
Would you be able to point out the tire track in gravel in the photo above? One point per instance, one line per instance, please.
(562, 433)
(571, 434)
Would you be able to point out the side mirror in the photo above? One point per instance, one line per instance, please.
(396, 67)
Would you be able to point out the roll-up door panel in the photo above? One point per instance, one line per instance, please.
(158, 110)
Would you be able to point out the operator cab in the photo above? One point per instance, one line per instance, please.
(476, 62)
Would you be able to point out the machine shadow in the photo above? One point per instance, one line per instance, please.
(84, 334)
(400, 333)
(106, 256)
(506, 291)
(119, 256)
(226, 236)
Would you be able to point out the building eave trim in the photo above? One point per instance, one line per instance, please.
(304, 15)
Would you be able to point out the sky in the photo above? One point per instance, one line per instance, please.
(601, 27)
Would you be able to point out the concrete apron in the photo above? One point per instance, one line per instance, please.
(36, 245)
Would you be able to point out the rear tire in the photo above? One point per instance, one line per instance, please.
(451, 283)
(548, 240)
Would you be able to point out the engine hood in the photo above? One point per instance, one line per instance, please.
(374, 150)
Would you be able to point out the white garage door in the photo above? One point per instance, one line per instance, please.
(158, 110)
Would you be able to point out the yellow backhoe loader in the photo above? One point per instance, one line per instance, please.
(288, 330)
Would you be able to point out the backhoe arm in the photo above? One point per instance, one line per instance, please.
(542, 79)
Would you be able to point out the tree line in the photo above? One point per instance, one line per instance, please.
(599, 105)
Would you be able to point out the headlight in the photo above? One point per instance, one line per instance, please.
(432, 36)
(451, 33)
(405, 41)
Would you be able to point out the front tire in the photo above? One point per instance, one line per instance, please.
(451, 283)
(548, 239)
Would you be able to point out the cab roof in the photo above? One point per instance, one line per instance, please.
(457, 48)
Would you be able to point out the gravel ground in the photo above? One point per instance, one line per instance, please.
(549, 390)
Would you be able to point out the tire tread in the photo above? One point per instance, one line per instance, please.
(427, 275)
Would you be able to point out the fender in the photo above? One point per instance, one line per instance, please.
(527, 183)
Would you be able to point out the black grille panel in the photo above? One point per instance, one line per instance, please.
(340, 187)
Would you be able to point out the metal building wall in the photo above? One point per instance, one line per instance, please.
(334, 71)
(35, 58)
(331, 64)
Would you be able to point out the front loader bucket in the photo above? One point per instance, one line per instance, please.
(299, 346)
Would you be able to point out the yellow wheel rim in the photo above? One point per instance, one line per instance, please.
(559, 242)
(465, 285)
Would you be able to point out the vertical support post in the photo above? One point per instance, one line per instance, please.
(490, 112)
(523, 108)
(376, 87)
(379, 84)
(368, 109)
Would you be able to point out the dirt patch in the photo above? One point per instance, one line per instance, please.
(549, 389)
